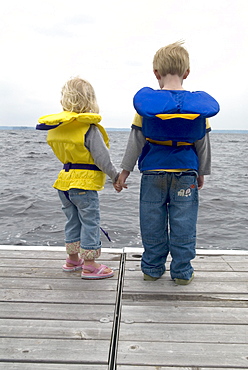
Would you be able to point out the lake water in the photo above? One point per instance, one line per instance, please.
(30, 210)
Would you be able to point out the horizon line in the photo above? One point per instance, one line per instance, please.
(117, 129)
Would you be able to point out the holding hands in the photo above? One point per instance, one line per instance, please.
(120, 182)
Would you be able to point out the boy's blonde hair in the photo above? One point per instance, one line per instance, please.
(171, 59)
(79, 96)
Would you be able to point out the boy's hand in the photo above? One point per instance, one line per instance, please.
(120, 183)
(200, 181)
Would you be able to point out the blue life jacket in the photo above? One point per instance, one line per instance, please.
(172, 121)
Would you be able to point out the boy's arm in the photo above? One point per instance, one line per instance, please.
(95, 144)
(134, 148)
(203, 150)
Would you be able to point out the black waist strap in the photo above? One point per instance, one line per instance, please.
(80, 166)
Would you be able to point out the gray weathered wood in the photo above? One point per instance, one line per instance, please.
(199, 326)
(58, 284)
(204, 265)
(50, 319)
(199, 287)
(37, 263)
(56, 311)
(53, 320)
(56, 329)
(58, 296)
(144, 367)
(41, 272)
(40, 366)
(182, 354)
(189, 333)
(48, 255)
(190, 315)
(54, 350)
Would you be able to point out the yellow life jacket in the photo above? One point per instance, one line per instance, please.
(66, 136)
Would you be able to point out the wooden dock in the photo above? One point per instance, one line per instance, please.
(55, 320)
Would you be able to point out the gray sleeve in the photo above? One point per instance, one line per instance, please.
(95, 144)
(203, 149)
(134, 148)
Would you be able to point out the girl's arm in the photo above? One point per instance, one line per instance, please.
(95, 144)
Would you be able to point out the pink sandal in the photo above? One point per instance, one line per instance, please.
(76, 265)
(96, 273)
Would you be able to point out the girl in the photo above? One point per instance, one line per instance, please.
(81, 144)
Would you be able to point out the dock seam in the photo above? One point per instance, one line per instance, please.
(117, 316)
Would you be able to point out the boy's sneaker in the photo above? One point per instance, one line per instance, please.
(150, 278)
(183, 281)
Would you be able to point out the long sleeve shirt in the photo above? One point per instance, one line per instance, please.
(95, 144)
(137, 140)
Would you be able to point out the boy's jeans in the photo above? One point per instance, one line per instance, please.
(83, 221)
(168, 216)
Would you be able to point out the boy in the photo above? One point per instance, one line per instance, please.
(170, 137)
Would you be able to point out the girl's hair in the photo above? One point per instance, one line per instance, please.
(78, 96)
(171, 59)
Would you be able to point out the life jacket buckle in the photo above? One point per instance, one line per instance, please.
(67, 167)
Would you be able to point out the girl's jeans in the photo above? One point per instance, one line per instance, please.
(82, 229)
(168, 216)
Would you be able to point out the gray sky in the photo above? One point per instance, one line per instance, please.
(111, 44)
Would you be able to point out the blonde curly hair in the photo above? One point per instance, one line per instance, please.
(78, 96)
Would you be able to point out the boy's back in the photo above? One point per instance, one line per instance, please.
(170, 137)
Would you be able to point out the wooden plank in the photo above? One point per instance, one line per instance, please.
(238, 266)
(42, 272)
(57, 311)
(200, 265)
(228, 356)
(56, 329)
(235, 258)
(54, 350)
(209, 276)
(197, 259)
(206, 287)
(57, 296)
(213, 258)
(190, 315)
(188, 333)
(38, 263)
(144, 367)
(32, 254)
(168, 286)
(78, 284)
(49, 255)
(40, 366)
(204, 264)
(133, 299)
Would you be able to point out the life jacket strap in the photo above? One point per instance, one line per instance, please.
(169, 142)
(80, 166)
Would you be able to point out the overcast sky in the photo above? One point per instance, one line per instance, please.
(111, 43)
